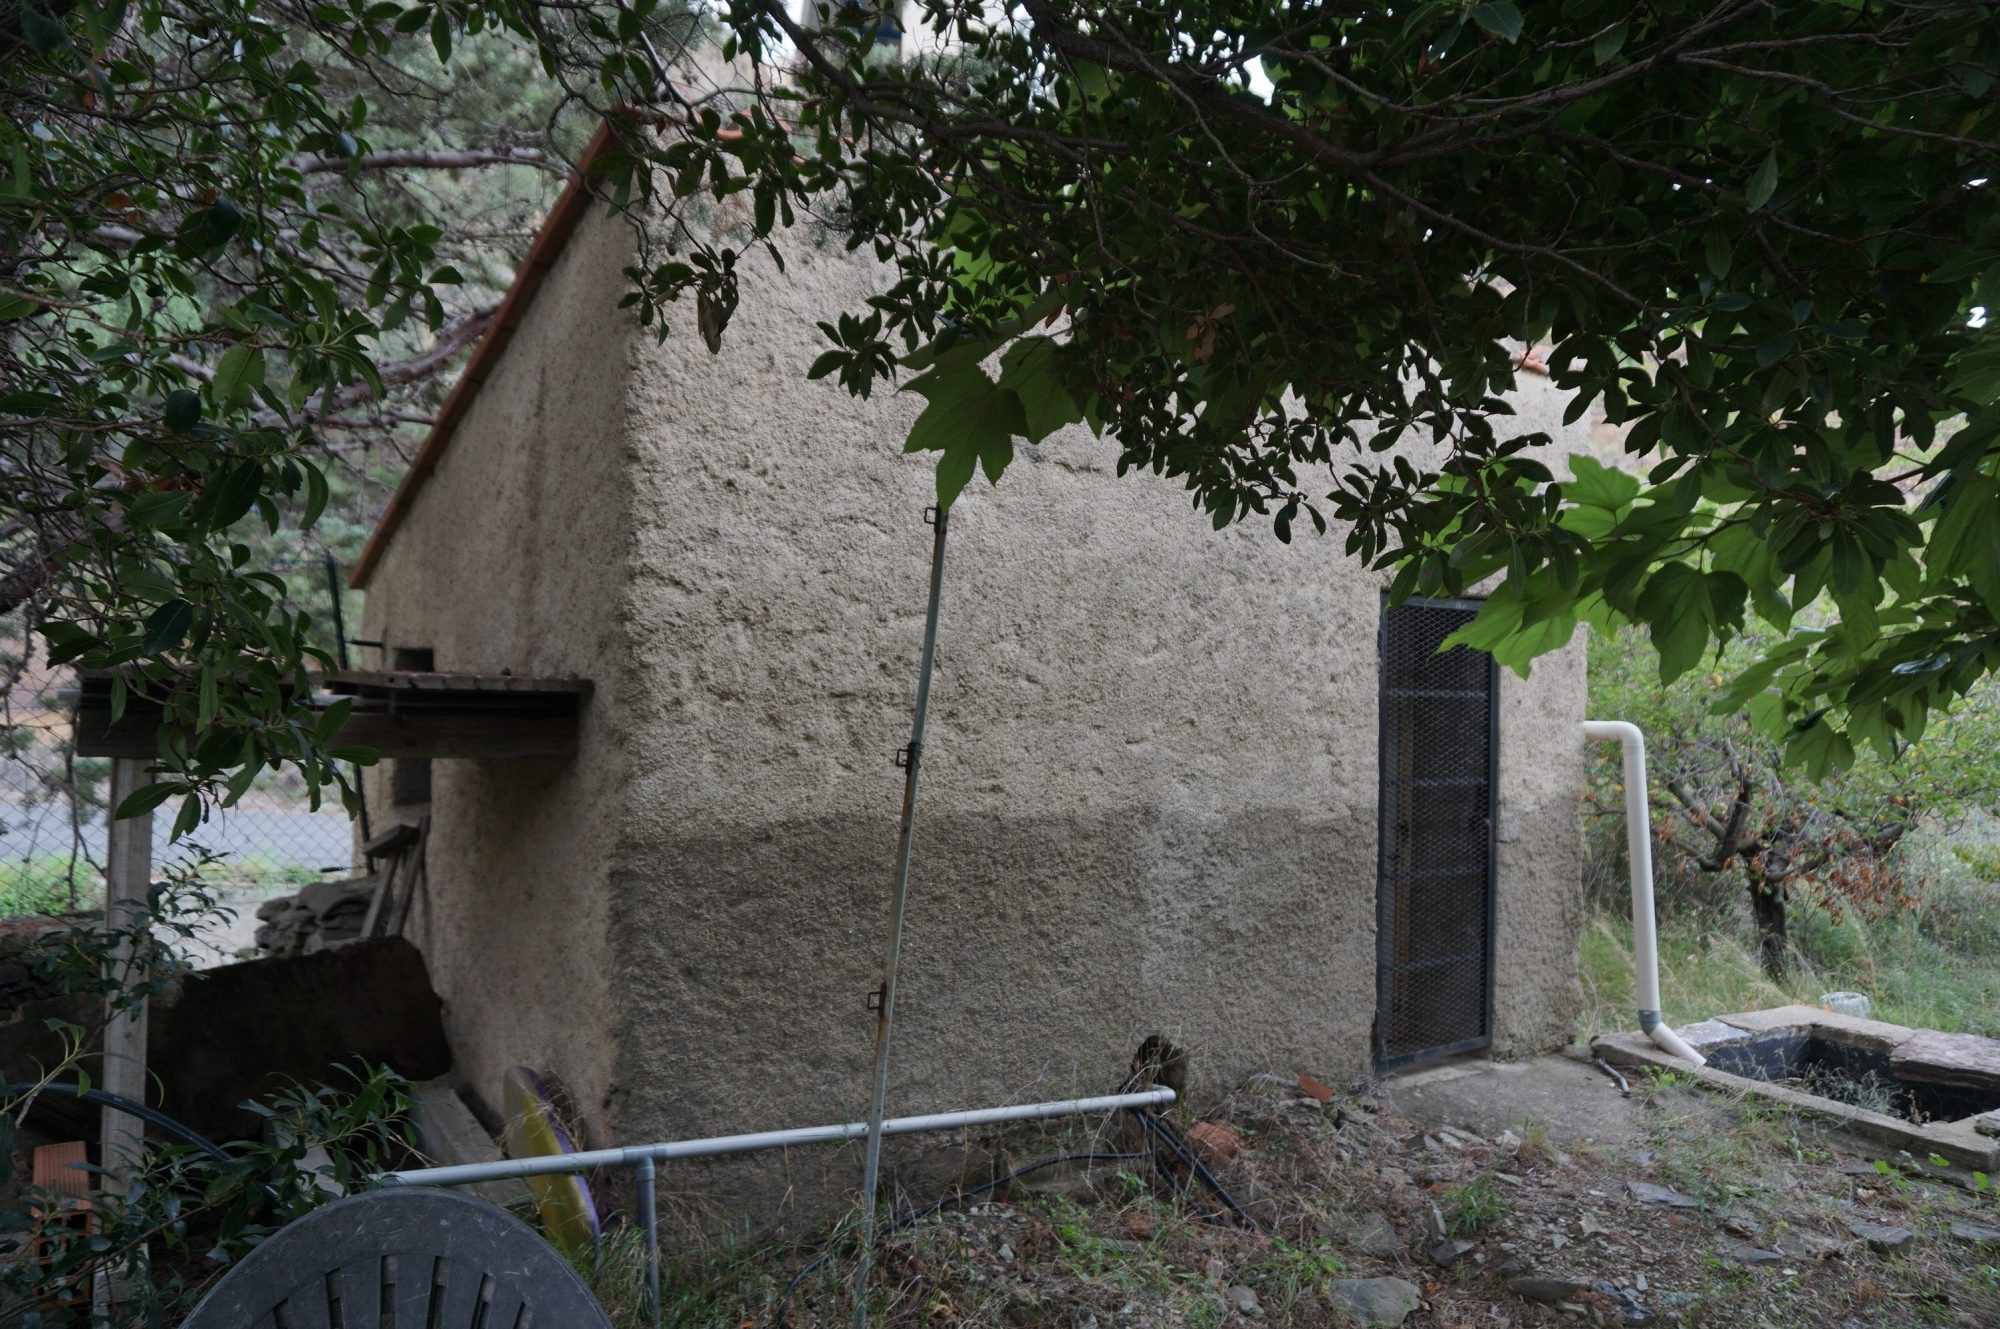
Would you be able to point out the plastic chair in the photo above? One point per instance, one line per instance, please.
(415, 1258)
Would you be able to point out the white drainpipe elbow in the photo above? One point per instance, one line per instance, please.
(1639, 849)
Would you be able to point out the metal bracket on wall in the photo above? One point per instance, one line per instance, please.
(909, 755)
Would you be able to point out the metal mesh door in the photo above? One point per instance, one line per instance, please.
(1434, 895)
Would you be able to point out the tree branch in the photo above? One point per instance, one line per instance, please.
(422, 159)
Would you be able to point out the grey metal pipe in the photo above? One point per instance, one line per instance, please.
(649, 1223)
(464, 1174)
(871, 1164)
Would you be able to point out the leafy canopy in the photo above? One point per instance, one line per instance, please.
(236, 241)
(1261, 245)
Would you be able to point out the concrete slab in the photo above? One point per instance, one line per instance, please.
(1707, 1032)
(1878, 1034)
(1932, 1057)
(448, 1134)
(1956, 1142)
(1576, 1101)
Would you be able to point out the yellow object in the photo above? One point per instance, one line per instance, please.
(569, 1218)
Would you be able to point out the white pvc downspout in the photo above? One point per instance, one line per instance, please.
(1639, 849)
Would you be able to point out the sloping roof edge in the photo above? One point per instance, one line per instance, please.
(548, 245)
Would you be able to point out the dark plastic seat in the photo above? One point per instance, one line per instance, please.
(412, 1257)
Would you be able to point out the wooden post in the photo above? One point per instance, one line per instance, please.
(128, 877)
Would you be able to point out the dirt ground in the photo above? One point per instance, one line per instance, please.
(1449, 1199)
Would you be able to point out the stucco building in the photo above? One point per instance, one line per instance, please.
(1170, 786)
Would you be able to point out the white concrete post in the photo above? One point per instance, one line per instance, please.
(128, 874)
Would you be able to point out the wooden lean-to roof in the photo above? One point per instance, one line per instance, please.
(398, 713)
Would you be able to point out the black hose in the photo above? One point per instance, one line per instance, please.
(151, 1116)
(1159, 1130)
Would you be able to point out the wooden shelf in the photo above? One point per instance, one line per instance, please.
(398, 714)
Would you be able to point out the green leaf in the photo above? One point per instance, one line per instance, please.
(1968, 529)
(441, 35)
(1978, 371)
(1763, 183)
(188, 818)
(1675, 607)
(954, 473)
(1499, 17)
(143, 800)
(221, 221)
(45, 35)
(1719, 252)
(1608, 43)
(332, 720)
(155, 508)
(17, 306)
(1031, 371)
(166, 626)
(1820, 749)
(233, 495)
(317, 494)
(238, 375)
(1515, 628)
(183, 409)
(1597, 485)
(1746, 685)
(971, 420)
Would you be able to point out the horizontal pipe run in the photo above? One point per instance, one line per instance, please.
(545, 1165)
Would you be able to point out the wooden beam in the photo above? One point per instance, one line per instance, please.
(398, 837)
(471, 719)
(381, 682)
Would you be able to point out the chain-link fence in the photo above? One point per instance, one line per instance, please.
(53, 817)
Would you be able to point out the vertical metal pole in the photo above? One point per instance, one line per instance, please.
(912, 758)
(340, 654)
(649, 1223)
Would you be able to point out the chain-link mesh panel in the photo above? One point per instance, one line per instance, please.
(53, 820)
(1434, 897)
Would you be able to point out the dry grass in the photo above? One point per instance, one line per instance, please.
(1116, 1247)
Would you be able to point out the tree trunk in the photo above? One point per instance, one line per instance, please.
(1767, 906)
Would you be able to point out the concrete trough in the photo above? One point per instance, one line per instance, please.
(1931, 1094)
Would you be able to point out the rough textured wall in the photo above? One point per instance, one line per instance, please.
(513, 558)
(1149, 790)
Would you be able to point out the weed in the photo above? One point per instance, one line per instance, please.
(1935, 965)
(1534, 1139)
(1289, 1272)
(1665, 1079)
(1470, 1207)
(49, 884)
